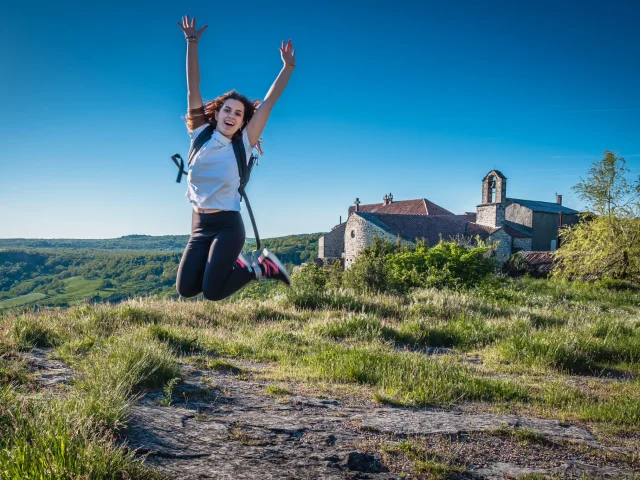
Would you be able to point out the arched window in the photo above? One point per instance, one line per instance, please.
(492, 189)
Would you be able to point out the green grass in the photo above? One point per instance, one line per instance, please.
(74, 436)
(48, 437)
(77, 290)
(528, 338)
(521, 434)
(22, 300)
(405, 377)
(421, 461)
(277, 390)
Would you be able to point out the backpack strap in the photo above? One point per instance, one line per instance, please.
(203, 137)
(180, 165)
(244, 170)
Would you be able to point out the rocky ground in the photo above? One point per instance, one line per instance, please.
(231, 423)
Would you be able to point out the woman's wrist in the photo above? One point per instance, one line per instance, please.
(289, 64)
(191, 39)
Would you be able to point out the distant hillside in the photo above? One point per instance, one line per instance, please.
(297, 248)
(63, 272)
(129, 242)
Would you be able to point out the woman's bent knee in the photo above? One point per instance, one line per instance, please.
(213, 295)
(186, 292)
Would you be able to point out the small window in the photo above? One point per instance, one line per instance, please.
(553, 245)
(353, 234)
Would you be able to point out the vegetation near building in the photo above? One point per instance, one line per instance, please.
(606, 244)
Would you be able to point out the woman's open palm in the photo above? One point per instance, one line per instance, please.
(288, 53)
(189, 28)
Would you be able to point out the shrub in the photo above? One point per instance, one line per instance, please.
(371, 273)
(385, 267)
(308, 287)
(516, 266)
(310, 277)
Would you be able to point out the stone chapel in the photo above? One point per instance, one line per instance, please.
(518, 225)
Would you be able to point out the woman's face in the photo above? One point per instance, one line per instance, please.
(230, 117)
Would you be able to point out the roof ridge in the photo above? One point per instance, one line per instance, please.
(461, 217)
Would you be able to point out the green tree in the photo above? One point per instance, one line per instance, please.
(607, 245)
(608, 191)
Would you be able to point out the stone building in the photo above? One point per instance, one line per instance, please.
(515, 224)
(331, 245)
(538, 221)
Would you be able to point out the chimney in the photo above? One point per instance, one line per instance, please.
(387, 199)
(340, 220)
(558, 199)
(357, 203)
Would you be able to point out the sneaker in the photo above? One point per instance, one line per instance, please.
(272, 267)
(242, 262)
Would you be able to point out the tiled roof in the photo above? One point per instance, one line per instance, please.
(539, 261)
(473, 229)
(431, 227)
(412, 227)
(546, 207)
(421, 206)
(519, 231)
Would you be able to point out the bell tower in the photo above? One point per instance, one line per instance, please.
(491, 211)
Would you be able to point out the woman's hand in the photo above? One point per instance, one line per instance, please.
(288, 54)
(190, 29)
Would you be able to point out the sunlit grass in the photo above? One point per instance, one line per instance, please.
(528, 339)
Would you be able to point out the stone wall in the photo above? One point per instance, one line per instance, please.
(358, 234)
(545, 231)
(491, 214)
(516, 213)
(332, 244)
(503, 252)
(522, 244)
(321, 253)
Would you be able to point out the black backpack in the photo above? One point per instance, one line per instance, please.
(244, 168)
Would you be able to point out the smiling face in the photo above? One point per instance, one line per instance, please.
(230, 117)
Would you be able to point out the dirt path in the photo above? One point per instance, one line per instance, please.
(229, 427)
(226, 425)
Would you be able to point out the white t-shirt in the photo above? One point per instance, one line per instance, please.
(213, 178)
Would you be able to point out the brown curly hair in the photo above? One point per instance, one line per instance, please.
(215, 105)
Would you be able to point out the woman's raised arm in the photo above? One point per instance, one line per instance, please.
(259, 120)
(192, 35)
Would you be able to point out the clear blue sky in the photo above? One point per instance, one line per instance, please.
(416, 98)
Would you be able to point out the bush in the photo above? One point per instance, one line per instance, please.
(371, 271)
(310, 277)
(516, 266)
(385, 267)
(619, 285)
(448, 264)
(308, 287)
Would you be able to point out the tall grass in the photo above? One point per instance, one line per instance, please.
(72, 433)
(514, 330)
(49, 437)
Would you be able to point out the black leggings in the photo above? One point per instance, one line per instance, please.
(209, 263)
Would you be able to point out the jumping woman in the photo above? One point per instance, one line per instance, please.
(212, 262)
